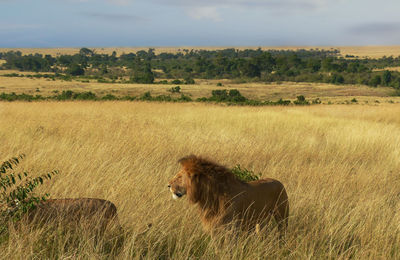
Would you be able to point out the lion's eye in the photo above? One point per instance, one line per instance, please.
(169, 186)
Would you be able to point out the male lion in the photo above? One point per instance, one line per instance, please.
(224, 199)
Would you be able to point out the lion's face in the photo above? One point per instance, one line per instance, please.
(177, 185)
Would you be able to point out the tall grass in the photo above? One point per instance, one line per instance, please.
(339, 164)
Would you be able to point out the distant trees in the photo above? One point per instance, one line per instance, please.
(247, 65)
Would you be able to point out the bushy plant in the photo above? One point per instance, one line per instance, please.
(146, 96)
(109, 97)
(17, 195)
(222, 95)
(176, 89)
(189, 81)
(184, 98)
(245, 174)
(176, 81)
(301, 100)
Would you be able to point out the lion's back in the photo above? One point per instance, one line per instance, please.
(261, 196)
(75, 209)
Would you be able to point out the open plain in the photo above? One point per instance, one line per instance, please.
(339, 163)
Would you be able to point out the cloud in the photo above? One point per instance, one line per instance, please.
(206, 12)
(114, 17)
(120, 2)
(292, 4)
(211, 9)
(376, 28)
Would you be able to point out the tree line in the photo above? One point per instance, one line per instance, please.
(315, 65)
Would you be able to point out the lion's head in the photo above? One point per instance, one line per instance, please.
(178, 185)
(202, 180)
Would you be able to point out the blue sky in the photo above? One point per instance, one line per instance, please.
(97, 23)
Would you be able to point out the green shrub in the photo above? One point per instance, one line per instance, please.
(19, 97)
(84, 96)
(222, 95)
(282, 102)
(146, 96)
(75, 70)
(184, 98)
(189, 81)
(245, 174)
(17, 195)
(176, 89)
(301, 100)
(109, 97)
(176, 81)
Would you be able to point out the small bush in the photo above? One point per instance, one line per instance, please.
(162, 82)
(224, 96)
(176, 89)
(189, 81)
(301, 100)
(84, 96)
(109, 97)
(17, 194)
(184, 98)
(354, 100)
(146, 96)
(245, 174)
(176, 81)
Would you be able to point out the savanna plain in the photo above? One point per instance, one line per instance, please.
(340, 165)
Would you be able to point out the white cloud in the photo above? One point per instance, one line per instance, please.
(210, 9)
(120, 2)
(204, 12)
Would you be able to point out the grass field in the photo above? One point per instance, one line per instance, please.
(202, 88)
(340, 165)
(360, 51)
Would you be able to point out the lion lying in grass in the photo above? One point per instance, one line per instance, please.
(95, 214)
(224, 199)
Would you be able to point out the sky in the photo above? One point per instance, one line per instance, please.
(112, 23)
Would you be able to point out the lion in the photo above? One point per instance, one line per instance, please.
(224, 199)
(96, 214)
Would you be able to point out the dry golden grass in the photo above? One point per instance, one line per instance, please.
(340, 165)
(361, 51)
(202, 88)
(389, 68)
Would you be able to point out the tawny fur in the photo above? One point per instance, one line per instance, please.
(97, 214)
(224, 199)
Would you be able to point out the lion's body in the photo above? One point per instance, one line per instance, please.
(97, 214)
(223, 199)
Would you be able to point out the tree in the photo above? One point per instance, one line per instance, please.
(75, 70)
(375, 81)
(387, 77)
(143, 75)
(86, 52)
